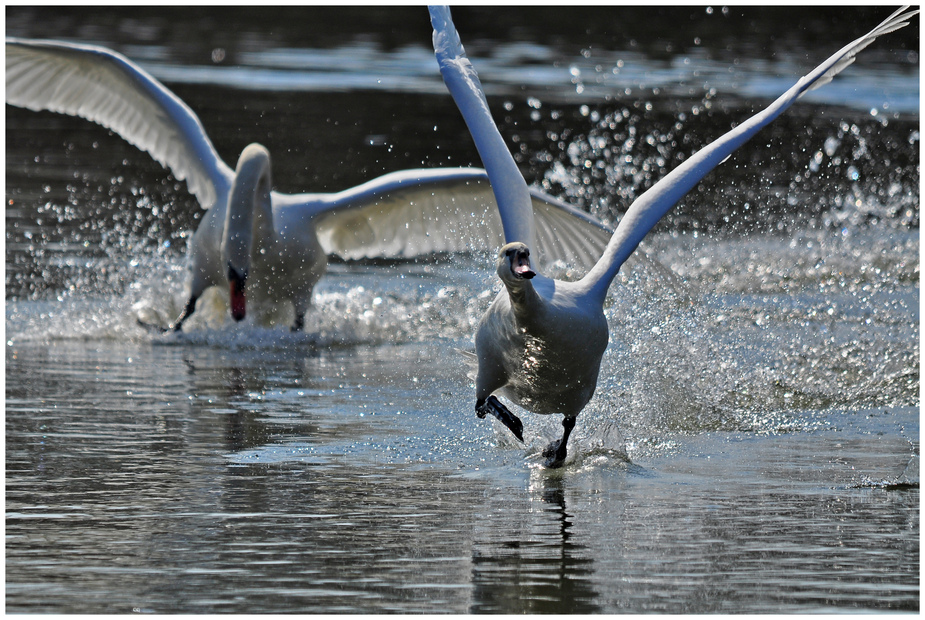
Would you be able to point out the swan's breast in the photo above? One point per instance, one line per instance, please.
(551, 357)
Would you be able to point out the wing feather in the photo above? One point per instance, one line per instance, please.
(105, 87)
(648, 209)
(510, 188)
(416, 212)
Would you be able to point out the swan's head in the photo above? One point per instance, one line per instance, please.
(514, 263)
(248, 202)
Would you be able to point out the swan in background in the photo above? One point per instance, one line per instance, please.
(259, 243)
(541, 341)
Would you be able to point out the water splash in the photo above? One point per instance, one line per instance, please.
(803, 171)
(794, 266)
(786, 287)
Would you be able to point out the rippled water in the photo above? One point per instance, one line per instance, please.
(753, 445)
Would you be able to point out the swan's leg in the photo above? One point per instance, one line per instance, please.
(301, 303)
(187, 311)
(496, 408)
(556, 452)
(176, 325)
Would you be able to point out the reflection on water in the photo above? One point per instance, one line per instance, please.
(753, 443)
(291, 487)
(532, 567)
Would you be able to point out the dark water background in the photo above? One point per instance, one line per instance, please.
(753, 444)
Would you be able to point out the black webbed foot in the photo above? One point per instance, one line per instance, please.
(555, 454)
(556, 451)
(157, 329)
(496, 408)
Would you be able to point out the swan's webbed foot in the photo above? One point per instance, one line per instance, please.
(157, 329)
(496, 408)
(556, 451)
(555, 454)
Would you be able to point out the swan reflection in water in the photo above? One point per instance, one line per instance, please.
(543, 568)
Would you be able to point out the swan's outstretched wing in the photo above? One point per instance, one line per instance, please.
(646, 211)
(105, 87)
(416, 212)
(463, 83)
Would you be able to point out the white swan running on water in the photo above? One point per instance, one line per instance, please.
(253, 240)
(541, 342)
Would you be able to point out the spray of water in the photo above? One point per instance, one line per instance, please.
(786, 288)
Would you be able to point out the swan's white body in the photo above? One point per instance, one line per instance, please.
(540, 345)
(277, 243)
(541, 341)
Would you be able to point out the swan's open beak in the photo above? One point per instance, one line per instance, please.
(236, 293)
(520, 265)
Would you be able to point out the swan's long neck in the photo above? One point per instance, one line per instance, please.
(524, 299)
(249, 219)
